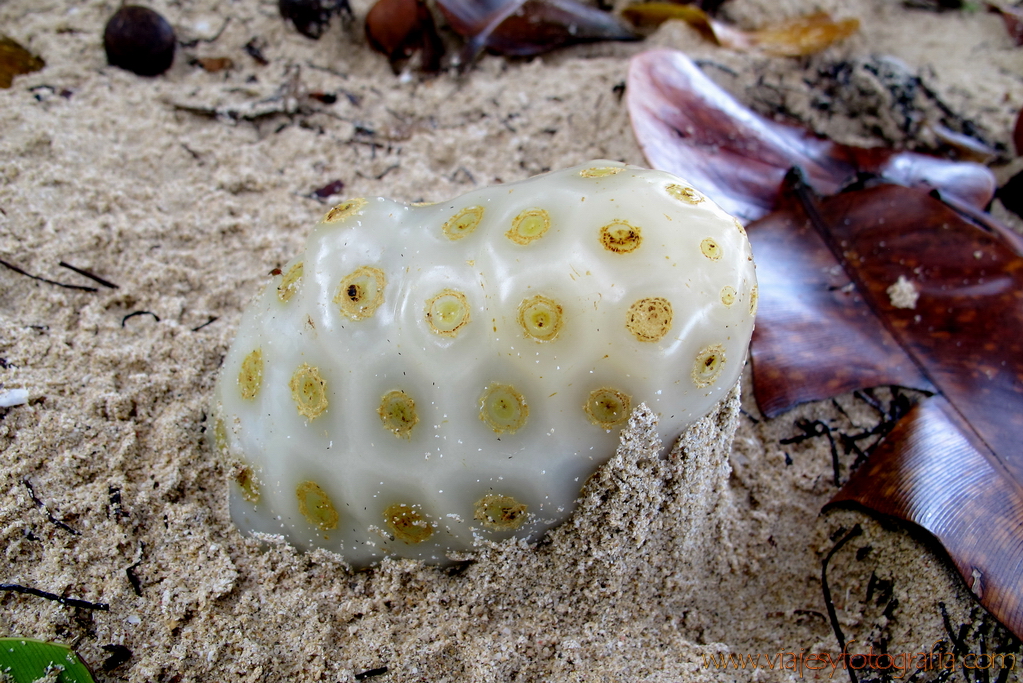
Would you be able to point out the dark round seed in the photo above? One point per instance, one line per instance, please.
(139, 40)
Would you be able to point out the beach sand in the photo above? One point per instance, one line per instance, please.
(109, 492)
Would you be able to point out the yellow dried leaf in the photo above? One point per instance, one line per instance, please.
(656, 13)
(804, 35)
(794, 38)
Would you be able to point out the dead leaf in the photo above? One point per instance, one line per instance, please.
(688, 125)
(886, 285)
(803, 36)
(16, 60)
(929, 471)
(329, 190)
(214, 64)
(809, 313)
(528, 27)
(830, 321)
(793, 38)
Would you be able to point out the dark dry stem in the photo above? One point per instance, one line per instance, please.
(49, 515)
(16, 269)
(828, 602)
(133, 578)
(135, 313)
(211, 320)
(812, 429)
(96, 278)
(69, 602)
(254, 49)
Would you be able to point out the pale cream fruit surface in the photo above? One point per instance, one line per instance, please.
(422, 376)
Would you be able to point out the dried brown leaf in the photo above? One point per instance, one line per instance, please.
(810, 314)
(885, 285)
(889, 285)
(688, 125)
(929, 471)
(528, 27)
(16, 60)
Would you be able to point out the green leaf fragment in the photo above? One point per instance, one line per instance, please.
(24, 660)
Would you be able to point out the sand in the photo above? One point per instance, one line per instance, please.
(109, 492)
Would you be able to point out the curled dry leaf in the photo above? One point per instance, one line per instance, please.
(16, 60)
(688, 125)
(528, 27)
(931, 470)
(793, 38)
(831, 321)
(399, 28)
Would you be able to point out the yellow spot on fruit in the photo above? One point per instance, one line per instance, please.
(361, 292)
(463, 222)
(540, 318)
(220, 435)
(309, 391)
(529, 226)
(344, 210)
(708, 365)
(250, 379)
(398, 413)
(407, 524)
(728, 295)
(607, 408)
(742, 230)
(447, 313)
(499, 513)
(503, 408)
(710, 249)
(315, 506)
(649, 319)
(685, 194)
(754, 300)
(246, 479)
(600, 171)
(290, 283)
(620, 238)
